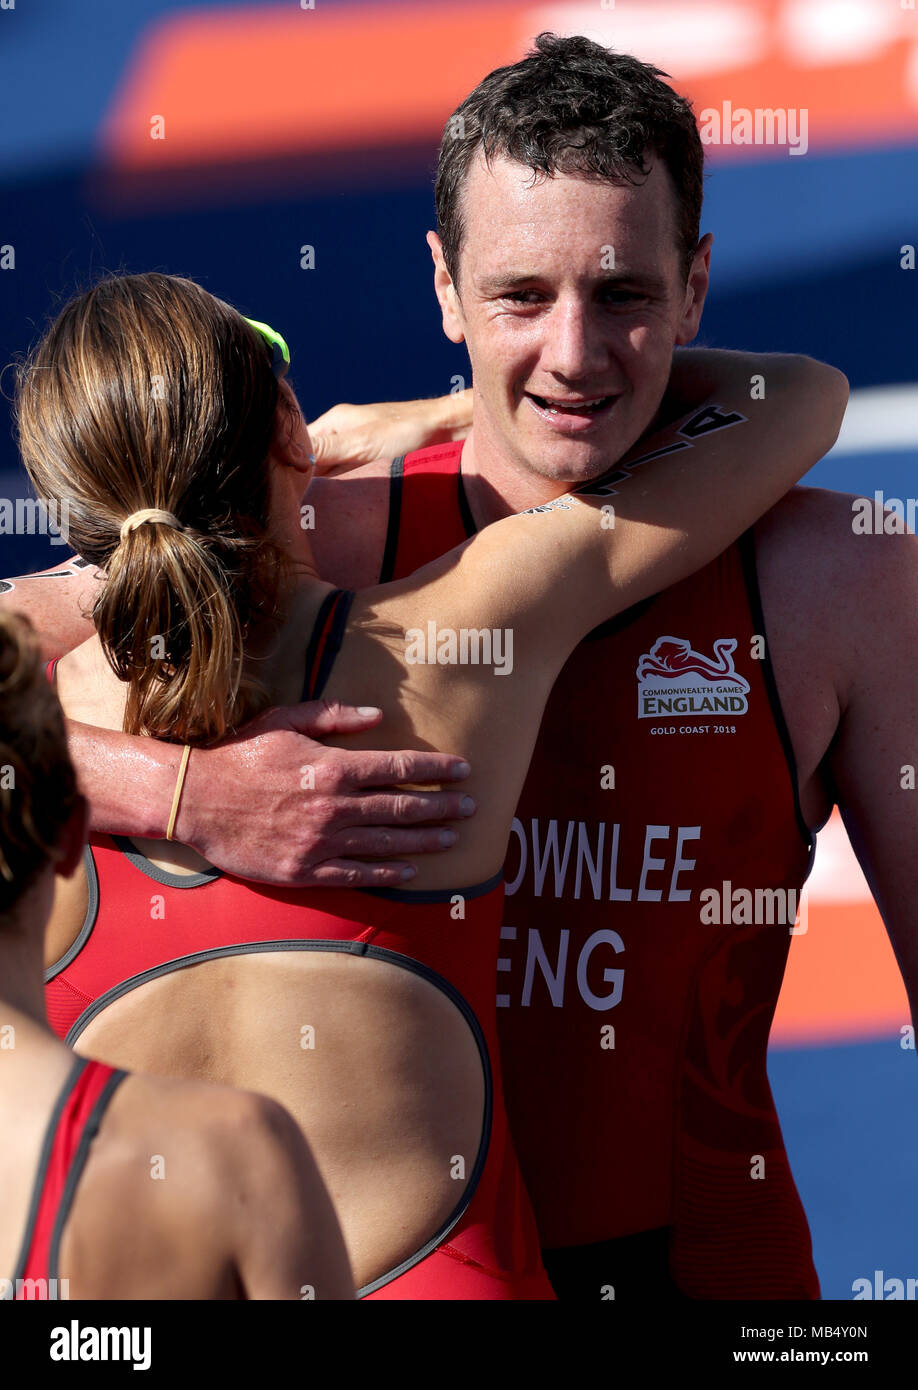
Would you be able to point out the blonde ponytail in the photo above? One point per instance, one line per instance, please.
(170, 629)
(149, 406)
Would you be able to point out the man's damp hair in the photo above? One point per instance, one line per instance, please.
(573, 107)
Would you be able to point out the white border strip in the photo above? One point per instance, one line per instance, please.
(879, 419)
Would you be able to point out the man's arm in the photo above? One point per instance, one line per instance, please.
(874, 757)
(272, 805)
(57, 602)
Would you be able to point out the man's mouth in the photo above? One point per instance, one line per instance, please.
(571, 413)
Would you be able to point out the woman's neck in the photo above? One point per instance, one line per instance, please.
(22, 997)
(276, 651)
(275, 656)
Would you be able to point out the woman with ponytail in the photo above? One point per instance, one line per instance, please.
(250, 1217)
(143, 407)
(162, 417)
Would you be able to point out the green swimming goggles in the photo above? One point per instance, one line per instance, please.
(280, 353)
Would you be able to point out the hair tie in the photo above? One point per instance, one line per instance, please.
(152, 514)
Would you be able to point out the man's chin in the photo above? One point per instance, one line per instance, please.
(576, 460)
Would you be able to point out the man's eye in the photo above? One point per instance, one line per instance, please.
(609, 297)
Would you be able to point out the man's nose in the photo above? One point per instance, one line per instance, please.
(573, 346)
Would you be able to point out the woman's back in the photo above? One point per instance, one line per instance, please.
(370, 1016)
(345, 1006)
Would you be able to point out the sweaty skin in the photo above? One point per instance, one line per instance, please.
(188, 1191)
(831, 660)
(560, 322)
(204, 1237)
(380, 1117)
(804, 545)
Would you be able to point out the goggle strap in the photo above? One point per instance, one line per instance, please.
(280, 353)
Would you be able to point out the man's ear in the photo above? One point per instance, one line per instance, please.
(447, 295)
(72, 839)
(695, 290)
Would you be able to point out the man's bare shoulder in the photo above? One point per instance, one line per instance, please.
(815, 536)
(833, 572)
(347, 529)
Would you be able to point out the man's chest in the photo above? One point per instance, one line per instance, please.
(699, 708)
(728, 668)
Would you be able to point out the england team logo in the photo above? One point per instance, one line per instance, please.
(675, 681)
